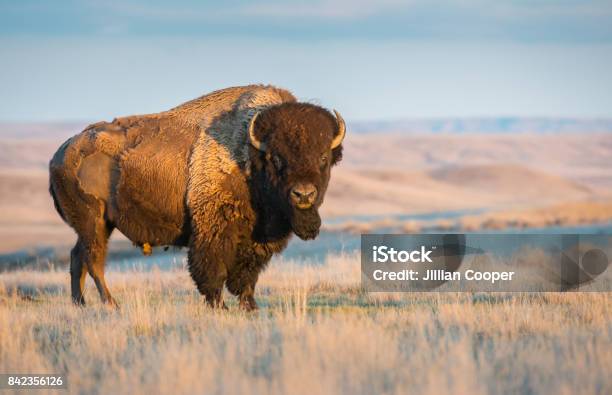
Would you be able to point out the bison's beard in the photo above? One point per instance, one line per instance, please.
(305, 223)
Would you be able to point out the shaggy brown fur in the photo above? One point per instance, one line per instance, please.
(190, 177)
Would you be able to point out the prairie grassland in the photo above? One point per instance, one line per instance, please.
(316, 332)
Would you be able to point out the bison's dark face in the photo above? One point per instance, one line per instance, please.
(297, 145)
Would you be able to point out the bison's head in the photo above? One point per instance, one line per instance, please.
(295, 145)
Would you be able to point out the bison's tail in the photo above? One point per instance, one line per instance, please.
(55, 201)
(56, 176)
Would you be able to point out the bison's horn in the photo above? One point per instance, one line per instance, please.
(252, 138)
(341, 131)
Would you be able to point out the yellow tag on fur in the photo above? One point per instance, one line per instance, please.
(146, 249)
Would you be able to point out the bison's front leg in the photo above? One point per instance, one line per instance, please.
(207, 265)
(243, 276)
(243, 286)
(247, 299)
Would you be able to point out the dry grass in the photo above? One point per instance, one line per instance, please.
(316, 333)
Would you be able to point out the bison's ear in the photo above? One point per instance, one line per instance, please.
(336, 144)
(336, 155)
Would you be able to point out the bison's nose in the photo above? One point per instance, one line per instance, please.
(303, 195)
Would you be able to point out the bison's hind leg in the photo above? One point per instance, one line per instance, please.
(77, 273)
(89, 255)
(97, 262)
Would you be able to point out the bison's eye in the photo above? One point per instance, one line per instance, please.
(323, 160)
(278, 162)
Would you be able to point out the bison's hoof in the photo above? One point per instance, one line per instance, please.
(78, 301)
(216, 304)
(248, 304)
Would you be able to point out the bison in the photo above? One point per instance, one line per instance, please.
(230, 175)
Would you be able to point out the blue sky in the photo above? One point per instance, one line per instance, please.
(387, 59)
